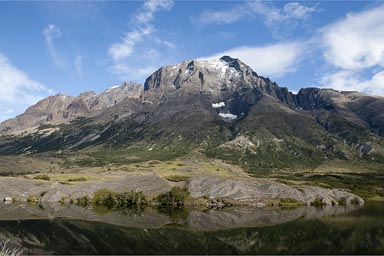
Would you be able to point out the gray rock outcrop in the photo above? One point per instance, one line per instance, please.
(258, 191)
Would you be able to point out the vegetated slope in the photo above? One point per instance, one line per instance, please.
(218, 108)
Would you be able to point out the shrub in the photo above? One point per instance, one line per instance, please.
(176, 178)
(317, 202)
(342, 201)
(174, 198)
(63, 199)
(42, 177)
(105, 197)
(129, 199)
(32, 199)
(84, 201)
(355, 201)
(77, 179)
(126, 199)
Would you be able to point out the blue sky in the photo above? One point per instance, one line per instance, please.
(74, 46)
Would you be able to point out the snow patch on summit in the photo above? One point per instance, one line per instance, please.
(221, 66)
(112, 88)
(215, 64)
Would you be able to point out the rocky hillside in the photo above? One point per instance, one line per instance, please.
(205, 108)
(60, 108)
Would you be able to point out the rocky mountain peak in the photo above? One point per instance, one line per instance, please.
(61, 108)
(208, 75)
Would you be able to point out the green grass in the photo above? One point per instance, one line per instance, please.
(42, 177)
(365, 185)
(77, 179)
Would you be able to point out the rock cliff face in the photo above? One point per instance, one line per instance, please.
(220, 108)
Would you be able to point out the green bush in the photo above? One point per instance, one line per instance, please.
(317, 202)
(32, 199)
(174, 198)
(126, 199)
(84, 201)
(42, 177)
(342, 201)
(77, 179)
(355, 201)
(176, 178)
(105, 197)
(130, 199)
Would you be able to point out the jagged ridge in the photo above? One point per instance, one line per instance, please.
(203, 105)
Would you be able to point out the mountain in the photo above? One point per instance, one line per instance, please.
(60, 108)
(204, 109)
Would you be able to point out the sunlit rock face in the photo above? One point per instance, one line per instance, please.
(60, 108)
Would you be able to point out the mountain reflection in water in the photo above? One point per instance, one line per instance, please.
(58, 229)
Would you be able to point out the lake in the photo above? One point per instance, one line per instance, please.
(58, 229)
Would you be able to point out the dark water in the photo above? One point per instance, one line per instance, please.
(308, 230)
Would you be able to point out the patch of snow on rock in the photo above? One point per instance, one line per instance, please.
(228, 115)
(218, 105)
(113, 87)
(217, 64)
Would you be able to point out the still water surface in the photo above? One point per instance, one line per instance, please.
(56, 229)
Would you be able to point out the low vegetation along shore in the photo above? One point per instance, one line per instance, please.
(211, 184)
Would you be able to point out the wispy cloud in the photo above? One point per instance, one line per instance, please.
(165, 43)
(16, 85)
(128, 73)
(126, 47)
(289, 17)
(52, 32)
(79, 65)
(347, 80)
(354, 48)
(273, 60)
(129, 59)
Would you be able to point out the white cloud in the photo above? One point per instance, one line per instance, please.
(152, 6)
(79, 65)
(354, 46)
(347, 80)
(165, 43)
(296, 10)
(356, 42)
(128, 73)
(124, 49)
(50, 34)
(277, 20)
(272, 60)
(17, 90)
